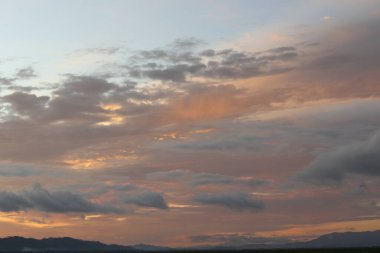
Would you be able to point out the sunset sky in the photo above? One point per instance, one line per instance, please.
(177, 122)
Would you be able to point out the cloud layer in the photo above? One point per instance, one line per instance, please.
(194, 133)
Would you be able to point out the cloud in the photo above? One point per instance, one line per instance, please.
(147, 199)
(187, 43)
(26, 73)
(175, 73)
(26, 104)
(254, 182)
(208, 53)
(99, 50)
(7, 80)
(238, 201)
(202, 103)
(109, 125)
(353, 112)
(11, 202)
(19, 170)
(162, 58)
(211, 178)
(177, 66)
(74, 120)
(87, 110)
(204, 178)
(167, 175)
(234, 142)
(40, 199)
(195, 87)
(235, 64)
(345, 63)
(21, 74)
(333, 166)
(61, 121)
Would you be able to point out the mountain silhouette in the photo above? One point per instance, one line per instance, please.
(56, 244)
(345, 240)
(332, 240)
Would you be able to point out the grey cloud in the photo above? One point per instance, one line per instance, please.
(187, 43)
(184, 57)
(164, 56)
(79, 99)
(124, 187)
(85, 84)
(204, 178)
(331, 61)
(212, 178)
(26, 89)
(253, 182)
(26, 104)
(175, 73)
(226, 64)
(333, 166)
(153, 54)
(18, 170)
(236, 142)
(147, 199)
(209, 178)
(235, 64)
(91, 190)
(208, 53)
(26, 73)
(63, 202)
(7, 80)
(167, 175)
(38, 198)
(281, 50)
(51, 126)
(11, 202)
(101, 50)
(235, 200)
(224, 51)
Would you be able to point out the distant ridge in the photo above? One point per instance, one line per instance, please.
(367, 239)
(145, 247)
(332, 240)
(56, 244)
(345, 240)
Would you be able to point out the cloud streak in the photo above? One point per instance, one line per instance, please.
(333, 166)
(38, 198)
(147, 199)
(237, 201)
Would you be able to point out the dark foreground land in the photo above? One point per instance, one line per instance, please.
(339, 250)
(346, 250)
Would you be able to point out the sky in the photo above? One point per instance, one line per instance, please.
(184, 123)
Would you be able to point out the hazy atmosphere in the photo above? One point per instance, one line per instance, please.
(182, 123)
